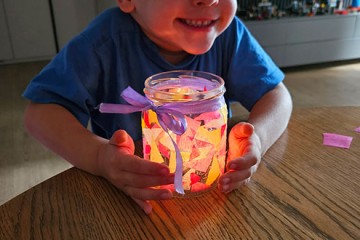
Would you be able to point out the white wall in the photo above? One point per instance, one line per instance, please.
(72, 16)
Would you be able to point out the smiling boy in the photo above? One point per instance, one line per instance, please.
(122, 47)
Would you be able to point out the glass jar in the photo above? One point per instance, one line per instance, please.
(186, 129)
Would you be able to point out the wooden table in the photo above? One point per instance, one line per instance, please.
(302, 190)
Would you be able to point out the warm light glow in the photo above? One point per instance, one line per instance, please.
(202, 147)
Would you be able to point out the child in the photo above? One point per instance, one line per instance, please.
(121, 48)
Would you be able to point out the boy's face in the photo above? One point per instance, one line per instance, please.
(182, 25)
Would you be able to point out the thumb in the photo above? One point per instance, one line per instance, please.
(242, 130)
(238, 139)
(121, 139)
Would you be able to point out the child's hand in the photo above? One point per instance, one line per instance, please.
(131, 174)
(243, 157)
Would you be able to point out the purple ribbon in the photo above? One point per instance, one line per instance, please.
(171, 116)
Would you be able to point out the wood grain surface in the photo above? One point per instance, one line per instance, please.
(302, 190)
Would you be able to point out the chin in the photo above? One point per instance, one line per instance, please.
(198, 51)
(200, 47)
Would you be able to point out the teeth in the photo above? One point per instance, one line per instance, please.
(197, 23)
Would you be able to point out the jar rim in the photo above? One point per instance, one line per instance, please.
(201, 86)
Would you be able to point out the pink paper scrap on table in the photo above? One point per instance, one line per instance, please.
(336, 140)
(357, 129)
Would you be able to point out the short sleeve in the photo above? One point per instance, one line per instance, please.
(63, 81)
(251, 72)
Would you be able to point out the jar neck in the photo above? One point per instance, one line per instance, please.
(183, 86)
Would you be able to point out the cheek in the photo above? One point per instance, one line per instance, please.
(158, 23)
(229, 9)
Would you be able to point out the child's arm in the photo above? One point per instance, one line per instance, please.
(56, 128)
(248, 142)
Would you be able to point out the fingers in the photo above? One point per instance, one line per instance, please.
(142, 181)
(233, 180)
(133, 163)
(241, 163)
(129, 170)
(122, 140)
(141, 166)
(148, 193)
(226, 188)
(144, 204)
(239, 172)
(142, 196)
(135, 176)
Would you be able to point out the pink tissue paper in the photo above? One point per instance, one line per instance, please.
(336, 140)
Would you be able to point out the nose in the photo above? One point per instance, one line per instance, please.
(205, 3)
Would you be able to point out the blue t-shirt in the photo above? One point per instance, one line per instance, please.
(113, 53)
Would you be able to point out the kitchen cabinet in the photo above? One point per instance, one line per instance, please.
(307, 40)
(5, 44)
(27, 30)
(71, 17)
(36, 29)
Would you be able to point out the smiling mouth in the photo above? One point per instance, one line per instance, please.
(197, 23)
